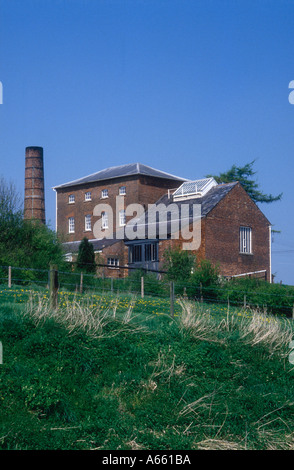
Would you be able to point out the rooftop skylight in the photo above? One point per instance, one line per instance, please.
(191, 189)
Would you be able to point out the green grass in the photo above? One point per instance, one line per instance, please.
(116, 372)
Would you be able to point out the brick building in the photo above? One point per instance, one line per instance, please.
(231, 230)
(96, 207)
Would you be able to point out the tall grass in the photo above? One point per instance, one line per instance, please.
(254, 327)
(83, 316)
(194, 381)
(266, 329)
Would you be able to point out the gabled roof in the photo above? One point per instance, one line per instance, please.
(214, 196)
(121, 171)
(207, 202)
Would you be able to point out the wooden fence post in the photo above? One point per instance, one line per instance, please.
(172, 299)
(81, 283)
(9, 277)
(53, 285)
(142, 287)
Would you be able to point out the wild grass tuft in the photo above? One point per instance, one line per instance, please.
(269, 331)
(77, 316)
(196, 320)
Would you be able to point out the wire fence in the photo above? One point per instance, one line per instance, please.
(273, 298)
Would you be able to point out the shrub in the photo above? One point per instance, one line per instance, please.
(274, 298)
(179, 264)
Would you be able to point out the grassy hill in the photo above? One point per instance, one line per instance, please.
(119, 374)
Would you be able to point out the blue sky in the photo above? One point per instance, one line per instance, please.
(190, 87)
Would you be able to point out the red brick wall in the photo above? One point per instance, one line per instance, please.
(166, 244)
(222, 234)
(118, 250)
(141, 190)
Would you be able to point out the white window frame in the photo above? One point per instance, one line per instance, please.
(113, 262)
(122, 190)
(88, 223)
(71, 199)
(88, 196)
(104, 193)
(71, 225)
(245, 240)
(104, 220)
(68, 257)
(122, 217)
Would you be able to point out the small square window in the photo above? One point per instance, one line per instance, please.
(88, 196)
(122, 191)
(104, 193)
(71, 225)
(71, 199)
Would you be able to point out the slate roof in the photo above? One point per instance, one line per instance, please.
(121, 171)
(98, 244)
(207, 203)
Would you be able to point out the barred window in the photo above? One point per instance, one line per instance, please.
(151, 252)
(88, 196)
(104, 193)
(245, 240)
(71, 199)
(143, 252)
(135, 253)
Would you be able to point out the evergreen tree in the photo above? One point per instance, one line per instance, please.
(86, 256)
(244, 175)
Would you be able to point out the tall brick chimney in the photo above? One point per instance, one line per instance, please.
(34, 202)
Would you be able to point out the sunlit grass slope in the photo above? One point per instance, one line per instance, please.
(118, 372)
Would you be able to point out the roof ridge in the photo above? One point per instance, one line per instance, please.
(130, 169)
